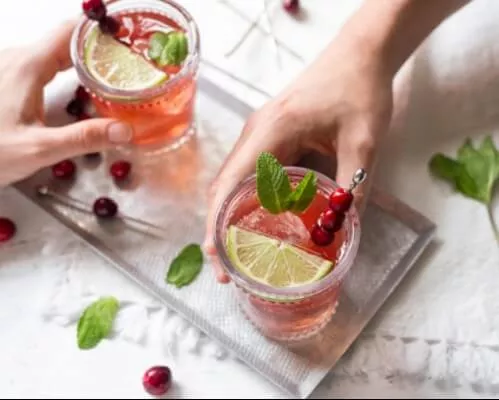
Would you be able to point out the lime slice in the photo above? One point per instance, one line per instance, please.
(274, 262)
(115, 65)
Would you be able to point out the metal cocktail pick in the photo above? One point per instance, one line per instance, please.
(44, 190)
(359, 177)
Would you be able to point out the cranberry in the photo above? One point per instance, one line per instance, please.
(291, 6)
(340, 218)
(321, 237)
(109, 25)
(94, 9)
(120, 170)
(64, 170)
(104, 207)
(7, 229)
(82, 94)
(340, 200)
(157, 380)
(75, 107)
(327, 220)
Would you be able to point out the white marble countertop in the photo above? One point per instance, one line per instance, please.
(438, 335)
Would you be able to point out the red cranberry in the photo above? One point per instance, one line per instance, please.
(340, 218)
(109, 25)
(321, 237)
(291, 6)
(104, 207)
(82, 94)
(75, 107)
(7, 229)
(120, 170)
(64, 170)
(94, 9)
(327, 220)
(340, 200)
(157, 380)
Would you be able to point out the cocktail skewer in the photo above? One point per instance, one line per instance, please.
(44, 190)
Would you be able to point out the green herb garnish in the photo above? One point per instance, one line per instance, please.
(186, 266)
(274, 188)
(474, 173)
(168, 48)
(96, 322)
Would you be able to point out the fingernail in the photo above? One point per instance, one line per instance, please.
(119, 132)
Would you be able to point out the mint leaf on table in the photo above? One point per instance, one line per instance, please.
(304, 193)
(156, 45)
(474, 173)
(96, 322)
(175, 50)
(186, 266)
(272, 184)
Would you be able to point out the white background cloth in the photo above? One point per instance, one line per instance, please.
(437, 335)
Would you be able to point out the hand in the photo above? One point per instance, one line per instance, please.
(26, 144)
(340, 106)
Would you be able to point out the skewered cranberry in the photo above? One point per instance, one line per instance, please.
(340, 200)
(327, 220)
(109, 25)
(7, 229)
(64, 170)
(157, 380)
(321, 237)
(94, 9)
(81, 94)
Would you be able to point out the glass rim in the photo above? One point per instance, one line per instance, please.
(113, 6)
(341, 268)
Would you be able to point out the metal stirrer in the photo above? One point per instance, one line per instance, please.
(359, 177)
(44, 190)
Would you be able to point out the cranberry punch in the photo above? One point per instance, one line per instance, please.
(287, 236)
(139, 59)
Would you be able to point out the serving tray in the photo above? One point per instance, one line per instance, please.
(170, 192)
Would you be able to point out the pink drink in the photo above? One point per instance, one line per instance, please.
(288, 313)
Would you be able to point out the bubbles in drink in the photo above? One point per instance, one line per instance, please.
(285, 226)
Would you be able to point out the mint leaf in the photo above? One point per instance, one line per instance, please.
(175, 50)
(272, 184)
(304, 193)
(186, 266)
(474, 173)
(96, 322)
(156, 45)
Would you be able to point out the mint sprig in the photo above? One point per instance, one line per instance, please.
(186, 266)
(96, 322)
(168, 48)
(474, 172)
(274, 190)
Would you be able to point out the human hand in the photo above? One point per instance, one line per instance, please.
(340, 111)
(26, 144)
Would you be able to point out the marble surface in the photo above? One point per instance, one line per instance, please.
(438, 335)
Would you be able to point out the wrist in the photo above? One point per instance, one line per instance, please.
(391, 30)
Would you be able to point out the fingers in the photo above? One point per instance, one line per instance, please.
(88, 136)
(355, 149)
(52, 53)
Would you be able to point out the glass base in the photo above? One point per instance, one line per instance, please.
(158, 150)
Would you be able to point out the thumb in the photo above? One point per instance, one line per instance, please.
(355, 150)
(83, 137)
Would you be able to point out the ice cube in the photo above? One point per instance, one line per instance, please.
(284, 226)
